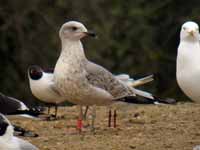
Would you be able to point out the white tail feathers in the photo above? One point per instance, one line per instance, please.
(141, 81)
(143, 94)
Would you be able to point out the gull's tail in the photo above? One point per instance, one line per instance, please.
(125, 78)
(143, 97)
(141, 81)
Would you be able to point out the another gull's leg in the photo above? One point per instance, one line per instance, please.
(85, 114)
(79, 121)
(93, 118)
(115, 118)
(109, 117)
(56, 110)
(49, 107)
(48, 118)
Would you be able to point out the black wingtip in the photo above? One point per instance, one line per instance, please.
(165, 100)
(136, 100)
(34, 112)
(143, 100)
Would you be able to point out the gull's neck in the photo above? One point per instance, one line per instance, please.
(189, 47)
(189, 40)
(72, 50)
(188, 54)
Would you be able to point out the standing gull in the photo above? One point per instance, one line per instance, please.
(40, 84)
(83, 82)
(41, 80)
(188, 61)
(10, 142)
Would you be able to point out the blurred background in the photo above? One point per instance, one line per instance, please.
(137, 37)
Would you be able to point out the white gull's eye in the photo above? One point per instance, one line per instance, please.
(184, 28)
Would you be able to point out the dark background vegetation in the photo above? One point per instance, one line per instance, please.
(138, 37)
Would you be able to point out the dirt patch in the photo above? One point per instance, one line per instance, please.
(140, 127)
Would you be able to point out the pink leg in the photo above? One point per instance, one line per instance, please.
(79, 121)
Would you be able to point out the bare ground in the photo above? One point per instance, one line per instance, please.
(140, 127)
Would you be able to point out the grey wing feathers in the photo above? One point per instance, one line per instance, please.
(101, 78)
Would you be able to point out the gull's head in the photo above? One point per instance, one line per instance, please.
(35, 72)
(5, 126)
(74, 30)
(190, 31)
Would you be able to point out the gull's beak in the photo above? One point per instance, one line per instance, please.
(191, 32)
(90, 33)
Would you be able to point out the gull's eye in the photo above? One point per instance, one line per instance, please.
(33, 71)
(184, 28)
(74, 28)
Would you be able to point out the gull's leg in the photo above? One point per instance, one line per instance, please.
(115, 118)
(79, 121)
(109, 117)
(49, 107)
(85, 113)
(56, 110)
(48, 118)
(93, 118)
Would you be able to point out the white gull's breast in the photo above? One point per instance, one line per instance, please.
(188, 69)
(42, 89)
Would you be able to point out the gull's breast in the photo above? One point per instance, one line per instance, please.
(189, 82)
(188, 69)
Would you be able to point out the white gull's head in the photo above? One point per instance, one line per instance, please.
(190, 31)
(74, 30)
